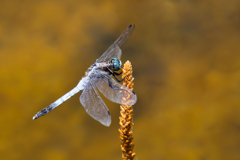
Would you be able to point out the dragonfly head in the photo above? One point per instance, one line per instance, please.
(115, 64)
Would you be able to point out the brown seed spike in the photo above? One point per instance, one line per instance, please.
(126, 113)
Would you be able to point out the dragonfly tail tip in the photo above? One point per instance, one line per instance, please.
(34, 117)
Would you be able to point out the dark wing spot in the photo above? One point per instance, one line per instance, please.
(108, 113)
(133, 92)
(110, 83)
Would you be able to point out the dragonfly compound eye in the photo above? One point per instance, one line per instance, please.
(116, 64)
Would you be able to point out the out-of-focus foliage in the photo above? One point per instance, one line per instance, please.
(186, 63)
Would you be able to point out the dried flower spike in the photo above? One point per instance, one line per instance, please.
(126, 114)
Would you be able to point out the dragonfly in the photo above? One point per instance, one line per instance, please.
(100, 76)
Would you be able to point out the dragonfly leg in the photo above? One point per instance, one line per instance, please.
(117, 78)
(118, 73)
(111, 71)
(114, 74)
(111, 85)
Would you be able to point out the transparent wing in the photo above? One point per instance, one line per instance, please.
(94, 105)
(114, 50)
(114, 91)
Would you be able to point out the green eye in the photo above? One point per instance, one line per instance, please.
(115, 63)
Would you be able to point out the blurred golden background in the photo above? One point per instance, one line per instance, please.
(186, 63)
